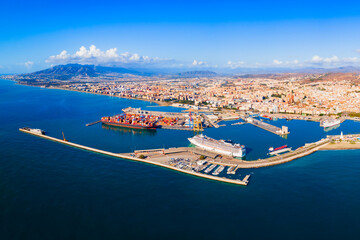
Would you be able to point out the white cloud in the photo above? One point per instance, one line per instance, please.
(317, 61)
(94, 55)
(333, 61)
(199, 63)
(293, 63)
(29, 64)
(330, 60)
(237, 64)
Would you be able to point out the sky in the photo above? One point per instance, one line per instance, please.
(179, 34)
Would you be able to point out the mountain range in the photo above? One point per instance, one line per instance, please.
(70, 72)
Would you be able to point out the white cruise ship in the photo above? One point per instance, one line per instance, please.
(218, 146)
(330, 123)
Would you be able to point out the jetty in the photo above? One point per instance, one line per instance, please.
(192, 160)
(93, 123)
(268, 127)
(158, 162)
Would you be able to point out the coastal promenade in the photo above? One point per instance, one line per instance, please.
(243, 182)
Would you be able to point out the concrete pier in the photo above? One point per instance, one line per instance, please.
(129, 157)
(160, 157)
(93, 123)
(268, 127)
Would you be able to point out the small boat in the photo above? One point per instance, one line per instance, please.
(282, 149)
(275, 149)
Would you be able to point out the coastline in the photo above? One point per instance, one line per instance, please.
(289, 116)
(160, 103)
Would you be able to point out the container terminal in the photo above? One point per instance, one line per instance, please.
(138, 118)
(144, 119)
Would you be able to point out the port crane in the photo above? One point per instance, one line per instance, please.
(64, 137)
(196, 122)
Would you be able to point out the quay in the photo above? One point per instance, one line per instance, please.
(266, 126)
(93, 123)
(133, 157)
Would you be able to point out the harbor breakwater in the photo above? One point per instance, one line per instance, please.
(280, 159)
(124, 156)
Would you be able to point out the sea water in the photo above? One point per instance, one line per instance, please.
(52, 191)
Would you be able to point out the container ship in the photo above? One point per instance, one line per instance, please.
(219, 146)
(137, 121)
(330, 123)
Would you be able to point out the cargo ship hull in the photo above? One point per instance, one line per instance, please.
(136, 126)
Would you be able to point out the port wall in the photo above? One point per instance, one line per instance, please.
(238, 182)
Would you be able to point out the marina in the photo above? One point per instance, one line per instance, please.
(210, 168)
(218, 170)
(231, 170)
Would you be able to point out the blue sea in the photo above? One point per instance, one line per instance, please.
(52, 191)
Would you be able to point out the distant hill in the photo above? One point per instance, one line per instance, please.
(78, 72)
(64, 72)
(120, 70)
(191, 74)
(71, 71)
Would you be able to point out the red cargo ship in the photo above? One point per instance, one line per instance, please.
(276, 149)
(131, 121)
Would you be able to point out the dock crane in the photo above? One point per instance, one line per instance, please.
(64, 139)
(198, 124)
(195, 122)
